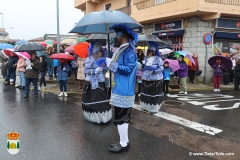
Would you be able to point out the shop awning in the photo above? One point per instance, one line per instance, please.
(170, 33)
(227, 35)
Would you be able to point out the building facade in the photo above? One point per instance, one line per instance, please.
(183, 23)
(4, 36)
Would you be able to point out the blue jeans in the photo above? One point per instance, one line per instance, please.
(50, 71)
(22, 79)
(28, 82)
(11, 73)
(42, 79)
(63, 85)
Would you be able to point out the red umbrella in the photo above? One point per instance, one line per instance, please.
(44, 44)
(6, 52)
(62, 56)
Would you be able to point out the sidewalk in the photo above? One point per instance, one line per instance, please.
(73, 85)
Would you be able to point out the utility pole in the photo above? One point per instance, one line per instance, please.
(58, 36)
(2, 28)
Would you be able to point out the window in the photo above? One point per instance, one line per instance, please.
(128, 2)
(108, 7)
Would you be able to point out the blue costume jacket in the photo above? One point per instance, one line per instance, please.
(156, 64)
(123, 66)
(91, 76)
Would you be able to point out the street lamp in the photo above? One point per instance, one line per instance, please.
(58, 37)
(2, 27)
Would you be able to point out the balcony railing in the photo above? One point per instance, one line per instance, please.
(126, 10)
(227, 2)
(151, 3)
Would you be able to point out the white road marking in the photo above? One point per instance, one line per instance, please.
(213, 107)
(194, 125)
(197, 98)
(202, 103)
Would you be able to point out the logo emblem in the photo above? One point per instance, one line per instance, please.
(238, 24)
(13, 143)
(162, 25)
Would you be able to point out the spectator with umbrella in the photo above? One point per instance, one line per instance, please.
(193, 68)
(43, 70)
(95, 105)
(183, 74)
(62, 71)
(4, 67)
(11, 68)
(219, 64)
(23, 56)
(31, 74)
(81, 50)
(140, 55)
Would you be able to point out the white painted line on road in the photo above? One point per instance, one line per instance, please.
(203, 103)
(193, 125)
(213, 107)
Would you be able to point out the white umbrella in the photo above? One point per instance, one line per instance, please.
(165, 51)
(67, 41)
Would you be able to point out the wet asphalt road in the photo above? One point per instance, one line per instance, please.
(54, 128)
(227, 115)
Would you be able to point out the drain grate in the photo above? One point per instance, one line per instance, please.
(174, 86)
(173, 103)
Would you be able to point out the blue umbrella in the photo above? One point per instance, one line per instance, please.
(99, 22)
(21, 42)
(6, 46)
(42, 53)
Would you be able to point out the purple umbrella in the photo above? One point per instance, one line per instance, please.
(70, 49)
(173, 64)
(226, 61)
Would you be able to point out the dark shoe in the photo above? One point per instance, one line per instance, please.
(152, 113)
(35, 95)
(7, 83)
(13, 84)
(18, 86)
(112, 145)
(21, 87)
(118, 148)
(26, 96)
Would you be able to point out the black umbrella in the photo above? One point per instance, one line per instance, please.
(101, 38)
(30, 46)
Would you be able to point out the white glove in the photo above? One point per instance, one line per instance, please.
(108, 61)
(98, 69)
(143, 61)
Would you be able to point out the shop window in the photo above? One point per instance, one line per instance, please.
(108, 7)
(175, 42)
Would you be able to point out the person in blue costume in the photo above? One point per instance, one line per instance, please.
(152, 85)
(95, 105)
(123, 66)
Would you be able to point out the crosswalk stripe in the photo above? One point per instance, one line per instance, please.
(193, 125)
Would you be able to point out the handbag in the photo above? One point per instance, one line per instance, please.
(199, 72)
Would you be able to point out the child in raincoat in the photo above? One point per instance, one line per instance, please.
(167, 72)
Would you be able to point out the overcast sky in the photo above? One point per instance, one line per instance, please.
(34, 18)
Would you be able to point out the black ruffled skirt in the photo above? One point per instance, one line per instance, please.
(95, 105)
(151, 95)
